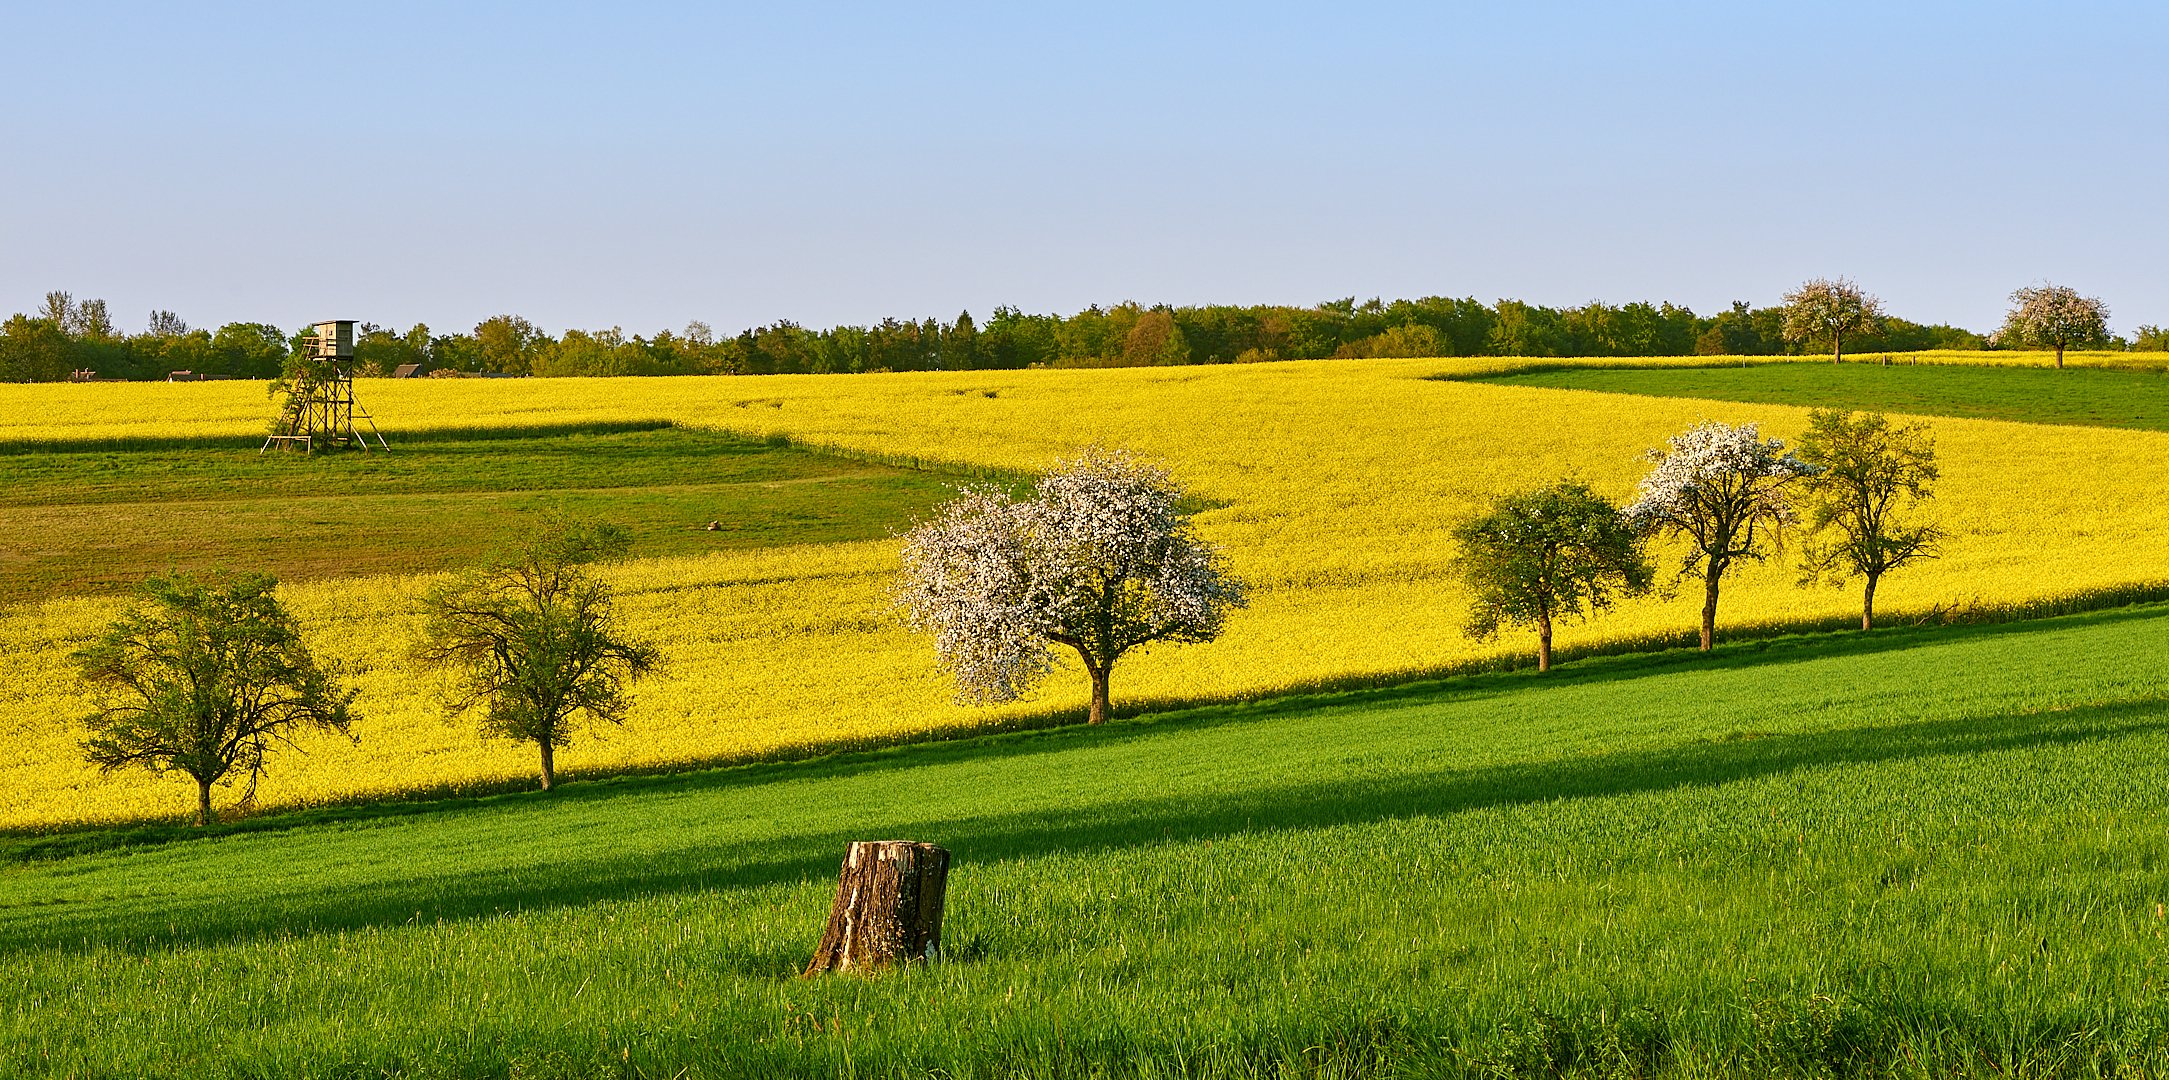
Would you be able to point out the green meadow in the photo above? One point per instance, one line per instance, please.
(97, 519)
(1916, 852)
(2095, 397)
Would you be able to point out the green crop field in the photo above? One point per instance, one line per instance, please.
(1913, 852)
(97, 519)
(2088, 396)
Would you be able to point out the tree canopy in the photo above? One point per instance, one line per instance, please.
(530, 641)
(206, 678)
(1871, 476)
(66, 335)
(1537, 557)
(1101, 559)
(1721, 489)
(1830, 310)
(2055, 317)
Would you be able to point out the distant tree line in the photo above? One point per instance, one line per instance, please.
(67, 335)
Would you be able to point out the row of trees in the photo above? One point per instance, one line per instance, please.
(1101, 561)
(205, 678)
(67, 335)
(1725, 496)
(2041, 317)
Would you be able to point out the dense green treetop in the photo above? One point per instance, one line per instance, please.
(65, 335)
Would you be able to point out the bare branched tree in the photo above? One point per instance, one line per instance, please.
(2052, 316)
(1823, 309)
(204, 678)
(166, 324)
(1722, 489)
(1101, 559)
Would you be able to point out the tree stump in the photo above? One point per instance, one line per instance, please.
(888, 907)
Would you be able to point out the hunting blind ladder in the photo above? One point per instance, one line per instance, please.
(320, 406)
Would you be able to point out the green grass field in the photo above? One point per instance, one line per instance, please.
(2085, 396)
(1913, 852)
(98, 520)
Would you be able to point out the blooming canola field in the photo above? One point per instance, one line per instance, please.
(1332, 485)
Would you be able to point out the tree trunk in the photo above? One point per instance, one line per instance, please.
(1837, 347)
(2059, 357)
(203, 803)
(1709, 609)
(1543, 642)
(549, 764)
(888, 907)
(1099, 694)
(1867, 605)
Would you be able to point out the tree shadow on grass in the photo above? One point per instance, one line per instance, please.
(1059, 731)
(1176, 817)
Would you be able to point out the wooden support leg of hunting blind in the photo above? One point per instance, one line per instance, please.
(888, 907)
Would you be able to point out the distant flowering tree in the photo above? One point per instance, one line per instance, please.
(1101, 559)
(1722, 489)
(1558, 552)
(2052, 316)
(1871, 475)
(1823, 309)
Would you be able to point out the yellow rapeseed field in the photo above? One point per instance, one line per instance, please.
(1333, 486)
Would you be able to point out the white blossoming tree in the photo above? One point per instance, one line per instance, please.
(1100, 559)
(1826, 310)
(2055, 317)
(1721, 489)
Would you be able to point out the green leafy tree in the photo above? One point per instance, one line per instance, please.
(205, 678)
(508, 344)
(34, 349)
(530, 641)
(960, 345)
(1155, 339)
(250, 350)
(1871, 477)
(1520, 329)
(1554, 553)
(1405, 340)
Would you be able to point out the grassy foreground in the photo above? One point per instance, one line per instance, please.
(1914, 852)
(2096, 397)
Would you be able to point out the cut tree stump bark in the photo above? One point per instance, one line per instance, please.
(887, 909)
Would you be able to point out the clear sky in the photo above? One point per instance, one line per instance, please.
(644, 165)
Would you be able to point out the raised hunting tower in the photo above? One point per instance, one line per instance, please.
(320, 408)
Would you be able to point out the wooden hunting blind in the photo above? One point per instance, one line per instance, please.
(320, 406)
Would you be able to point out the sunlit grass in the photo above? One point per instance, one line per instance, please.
(1919, 853)
(2100, 397)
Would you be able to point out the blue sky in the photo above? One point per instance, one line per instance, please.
(645, 165)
